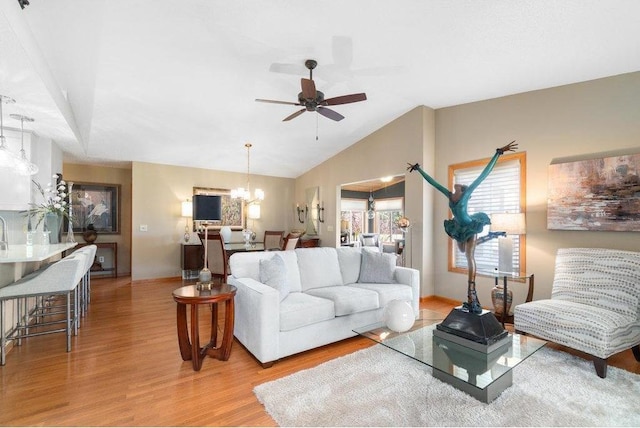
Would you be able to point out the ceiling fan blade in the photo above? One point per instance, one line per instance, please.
(308, 89)
(333, 115)
(296, 69)
(294, 115)
(345, 99)
(277, 102)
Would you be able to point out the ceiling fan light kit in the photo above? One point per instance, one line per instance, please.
(313, 100)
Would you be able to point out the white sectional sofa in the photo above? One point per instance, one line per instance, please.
(292, 301)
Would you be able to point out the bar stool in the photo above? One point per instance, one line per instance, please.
(60, 278)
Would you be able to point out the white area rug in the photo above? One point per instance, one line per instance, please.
(380, 387)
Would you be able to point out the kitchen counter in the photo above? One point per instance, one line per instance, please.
(33, 253)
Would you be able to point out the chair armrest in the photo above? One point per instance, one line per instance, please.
(257, 318)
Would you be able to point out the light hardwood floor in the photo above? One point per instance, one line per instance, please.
(125, 368)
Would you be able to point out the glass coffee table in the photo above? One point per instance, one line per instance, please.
(483, 375)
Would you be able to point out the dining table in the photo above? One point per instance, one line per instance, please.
(238, 247)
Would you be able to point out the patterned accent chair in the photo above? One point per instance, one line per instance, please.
(594, 305)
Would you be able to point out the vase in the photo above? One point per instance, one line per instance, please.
(90, 235)
(497, 299)
(53, 222)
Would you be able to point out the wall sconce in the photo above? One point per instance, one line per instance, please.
(320, 211)
(301, 213)
(187, 212)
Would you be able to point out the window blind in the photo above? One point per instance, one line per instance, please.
(498, 193)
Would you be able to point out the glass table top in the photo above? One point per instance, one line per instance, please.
(476, 368)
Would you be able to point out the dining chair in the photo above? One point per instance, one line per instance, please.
(273, 239)
(291, 241)
(217, 261)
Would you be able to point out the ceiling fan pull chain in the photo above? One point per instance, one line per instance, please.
(316, 126)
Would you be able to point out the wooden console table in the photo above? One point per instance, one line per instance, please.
(97, 267)
(308, 243)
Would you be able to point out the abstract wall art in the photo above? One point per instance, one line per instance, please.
(602, 193)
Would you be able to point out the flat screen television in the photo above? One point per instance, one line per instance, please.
(207, 208)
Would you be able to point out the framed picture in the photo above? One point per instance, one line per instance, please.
(96, 204)
(232, 209)
(595, 194)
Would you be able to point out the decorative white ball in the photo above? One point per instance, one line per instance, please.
(398, 315)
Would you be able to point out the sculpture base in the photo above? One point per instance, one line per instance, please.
(483, 329)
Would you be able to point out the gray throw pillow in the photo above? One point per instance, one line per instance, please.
(273, 272)
(376, 267)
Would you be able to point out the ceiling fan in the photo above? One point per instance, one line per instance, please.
(313, 100)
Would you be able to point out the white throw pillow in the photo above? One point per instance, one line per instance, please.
(319, 267)
(273, 272)
(377, 268)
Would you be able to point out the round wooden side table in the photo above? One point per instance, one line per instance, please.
(193, 296)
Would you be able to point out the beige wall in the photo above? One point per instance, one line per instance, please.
(592, 117)
(409, 138)
(107, 175)
(160, 190)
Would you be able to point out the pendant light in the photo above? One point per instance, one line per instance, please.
(23, 165)
(372, 207)
(7, 159)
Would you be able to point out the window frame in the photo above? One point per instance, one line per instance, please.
(521, 157)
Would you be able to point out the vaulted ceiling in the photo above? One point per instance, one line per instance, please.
(175, 82)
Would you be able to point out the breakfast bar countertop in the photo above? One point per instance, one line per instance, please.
(33, 253)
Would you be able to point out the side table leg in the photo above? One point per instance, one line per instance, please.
(227, 339)
(214, 325)
(183, 333)
(195, 339)
(504, 301)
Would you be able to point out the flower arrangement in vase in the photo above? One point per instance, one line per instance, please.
(54, 209)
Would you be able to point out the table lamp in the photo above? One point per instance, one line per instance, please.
(510, 224)
(187, 211)
(206, 209)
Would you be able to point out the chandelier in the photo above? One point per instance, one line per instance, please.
(251, 204)
(245, 194)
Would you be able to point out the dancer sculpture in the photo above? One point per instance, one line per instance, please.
(464, 227)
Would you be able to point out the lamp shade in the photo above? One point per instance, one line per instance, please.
(510, 223)
(207, 208)
(254, 211)
(187, 208)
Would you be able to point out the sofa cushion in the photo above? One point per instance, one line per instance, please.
(349, 259)
(348, 300)
(247, 265)
(389, 292)
(319, 267)
(301, 309)
(273, 272)
(377, 268)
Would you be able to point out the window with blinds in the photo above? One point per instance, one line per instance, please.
(503, 191)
